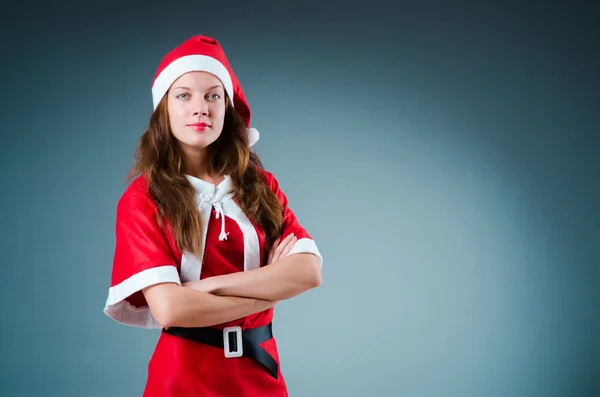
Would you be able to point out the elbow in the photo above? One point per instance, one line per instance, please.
(161, 305)
(306, 274)
(164, 317)
(316, 277)
(163, 313)
(309, 266)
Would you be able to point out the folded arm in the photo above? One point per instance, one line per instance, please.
(176, 306)
(284, 279)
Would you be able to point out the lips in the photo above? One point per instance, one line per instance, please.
(199, 126)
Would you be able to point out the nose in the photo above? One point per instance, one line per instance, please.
(201, 108)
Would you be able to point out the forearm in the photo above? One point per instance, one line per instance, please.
(184, 307)
(282, 280)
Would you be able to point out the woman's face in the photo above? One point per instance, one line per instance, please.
(196, 106)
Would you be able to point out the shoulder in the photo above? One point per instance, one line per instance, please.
(137, 197)
(269, 179)
(272, 182)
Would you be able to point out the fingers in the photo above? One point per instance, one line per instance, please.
(281, 247)
(284, 248)
(288, 247)
(272, 251)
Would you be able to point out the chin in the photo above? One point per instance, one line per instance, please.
(201, 140)
(197, 141)
(198, 145)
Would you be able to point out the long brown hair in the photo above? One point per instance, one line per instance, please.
(160, 158)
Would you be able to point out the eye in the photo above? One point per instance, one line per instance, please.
(181, 96)
(214, 96)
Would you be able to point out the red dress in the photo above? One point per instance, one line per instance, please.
(146, 254)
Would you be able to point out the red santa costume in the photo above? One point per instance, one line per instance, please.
(239, 358)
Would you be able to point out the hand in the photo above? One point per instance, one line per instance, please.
(204, 285)
(281, 250)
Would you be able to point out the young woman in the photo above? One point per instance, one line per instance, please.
(206, 244)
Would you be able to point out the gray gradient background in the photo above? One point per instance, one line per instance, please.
(445, 158)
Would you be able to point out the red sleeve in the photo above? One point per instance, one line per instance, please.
(305, 243)
(142, 257)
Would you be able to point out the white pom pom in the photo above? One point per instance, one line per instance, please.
(253, 136)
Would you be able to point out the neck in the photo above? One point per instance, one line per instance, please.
(198, 165)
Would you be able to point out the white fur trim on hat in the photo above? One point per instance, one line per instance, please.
(190, 63)
(253, 136)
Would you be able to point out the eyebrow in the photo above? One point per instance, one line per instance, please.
(187, 88)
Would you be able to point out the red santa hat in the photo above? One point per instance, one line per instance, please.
(201, 53)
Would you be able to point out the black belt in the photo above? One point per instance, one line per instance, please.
(235, 341)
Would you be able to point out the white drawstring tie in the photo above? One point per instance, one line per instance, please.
(218, 206)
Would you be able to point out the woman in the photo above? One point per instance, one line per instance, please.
(195, 231)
